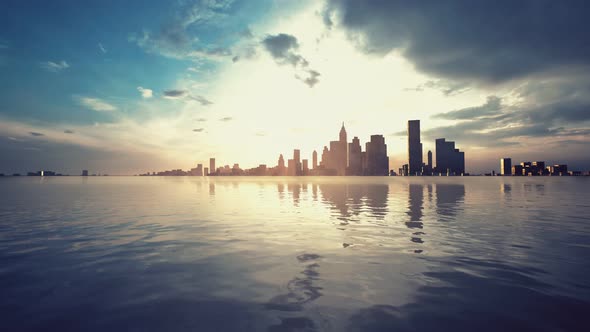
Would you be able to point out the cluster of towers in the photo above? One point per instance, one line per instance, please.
(449, 160)
(340, 158)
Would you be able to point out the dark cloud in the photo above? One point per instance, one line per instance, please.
(491, 107)
(226, 119)
(174, 94)
(36, 134)
(68, 131)
(181, 94)
(497, 124)
(489, 41)
(283, 48)
(198, 130)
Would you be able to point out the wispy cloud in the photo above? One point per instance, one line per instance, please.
(145, 93)
(102, 49)
(96, 104)
(198, 130)
(226, 119)
(68, 131)
(54, 66)
(36, 134)
(184, 94)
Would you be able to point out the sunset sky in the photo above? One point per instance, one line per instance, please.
(125, 87)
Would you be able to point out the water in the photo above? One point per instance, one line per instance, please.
(299, 254)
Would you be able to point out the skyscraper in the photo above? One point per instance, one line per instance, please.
(414, 148)
(449, 160)
(430, 160)
(281, 169)
(354, 157)
(212, 169)
(377, 160)
(339, 153)
(506, 166)
(297, 160)
(314, 158)
(305, 170)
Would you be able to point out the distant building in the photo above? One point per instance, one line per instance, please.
(206, 171)
(297, 161)
(291, 168)
(84, 172)
(414, 148)
(314, 159)
(197, 171)
(506, 166)
(449, 160)
(281, 169)
(305, 170)
(377, 160)
(212, 169)
(355, 166)
(430, 159)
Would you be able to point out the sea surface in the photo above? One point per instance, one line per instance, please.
(295, 254)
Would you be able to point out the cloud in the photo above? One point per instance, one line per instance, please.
(175, 38)
(102, 49)
(54, 67)
(36, 134)
(145, 93)
(491, 107)
(283, 48)
(184, 94)
(96, 104)
(447, 87)
(530, 115)
(68, 131)
(489, 41)
(175, 94)
(226, 119)
(201, 119)
(198, 130)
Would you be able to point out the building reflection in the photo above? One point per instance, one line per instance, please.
(448, 197)
(350, 200)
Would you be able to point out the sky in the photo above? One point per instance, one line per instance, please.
(127, 87)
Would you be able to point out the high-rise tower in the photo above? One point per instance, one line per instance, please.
(414, 148)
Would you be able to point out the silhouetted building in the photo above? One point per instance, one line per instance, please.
(291, 168)
(212, 168)
(517, 170)
(377, 160)
(84, 172)
(314, 159)
(449, 160)
(414, 148)
(505, 166)
(338, 156)
(557, 170)
(305, 170)
(430, 160)
(197, 171)
(281, 169)
(354, 157)
(297, 160)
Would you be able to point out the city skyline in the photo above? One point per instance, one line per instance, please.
(170, 84)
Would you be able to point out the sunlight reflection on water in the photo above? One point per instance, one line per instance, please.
(284, 254)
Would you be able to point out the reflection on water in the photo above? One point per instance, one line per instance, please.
(286, 254)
